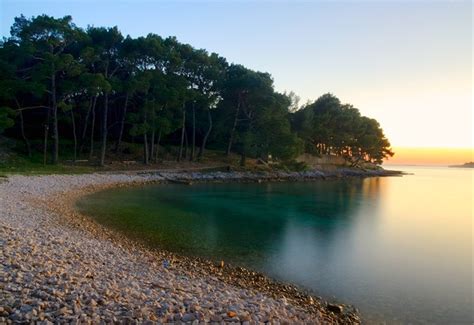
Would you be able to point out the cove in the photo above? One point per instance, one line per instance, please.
(398, 248)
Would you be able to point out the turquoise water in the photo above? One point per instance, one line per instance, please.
(398, 248)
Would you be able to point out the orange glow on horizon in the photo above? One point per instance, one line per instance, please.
(431, 156)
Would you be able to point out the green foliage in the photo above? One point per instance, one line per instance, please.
(78, 84)
(329, 127)
(6, 118)
(64, 106)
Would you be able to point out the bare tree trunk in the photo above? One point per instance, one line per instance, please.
(122, 125)
(145, 148)
(157, 146)
(152, 140)
(104, 130)
(46, 133)
(231, 139)
(145, 141)
(22, 128)
(208, 132)
(74, 135)
(185, 144)
(55, 117)
(86, 122)
(45, 142)
(242, 159)
(91, 149)
(152, 144)
(180, 155)
(193, 144)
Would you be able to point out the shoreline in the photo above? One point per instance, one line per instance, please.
(277, 302)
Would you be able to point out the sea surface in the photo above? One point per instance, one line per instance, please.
(398, 248)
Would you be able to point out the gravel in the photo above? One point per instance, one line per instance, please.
(57, 266)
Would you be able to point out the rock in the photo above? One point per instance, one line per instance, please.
(62, 311)
(232, 320)
(97, 277)
(244, 317)
(195, 308)
(26, 309)
(337, 309)
(188, 317)
(77, 309)
(216, 318)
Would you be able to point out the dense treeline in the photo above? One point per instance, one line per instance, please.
(97, 89)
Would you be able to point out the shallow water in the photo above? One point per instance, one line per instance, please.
(398, 248)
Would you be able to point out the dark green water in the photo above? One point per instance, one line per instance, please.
(400, 249)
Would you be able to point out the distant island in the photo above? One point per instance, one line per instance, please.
(465, 165)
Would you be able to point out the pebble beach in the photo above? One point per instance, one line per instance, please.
(57, 266)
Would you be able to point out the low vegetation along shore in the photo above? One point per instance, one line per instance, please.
(59, 266)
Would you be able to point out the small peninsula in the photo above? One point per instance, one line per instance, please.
(465, 165)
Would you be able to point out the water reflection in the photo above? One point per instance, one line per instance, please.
(398, 248)
(316, 256)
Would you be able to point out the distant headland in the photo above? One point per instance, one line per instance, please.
(465, 165)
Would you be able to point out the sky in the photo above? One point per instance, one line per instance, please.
(407, 64)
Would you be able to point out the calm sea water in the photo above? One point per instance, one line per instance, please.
(398, 248)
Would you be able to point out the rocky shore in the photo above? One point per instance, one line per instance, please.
(265, 176)
(57, 266)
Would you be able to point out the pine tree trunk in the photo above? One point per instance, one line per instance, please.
(22, 128)
(86, 122)
(180, 155)
(193, 144)
(145, 141)
(185, 144)
(145, 148)
(55, 117)
(122, 125)
(243, 158)
(91, 149)
(152, 144)
(74, 135)
(45, 141)
(204, 141)
(157, 149)
(104, 130)
(152, 140)
(231, 139)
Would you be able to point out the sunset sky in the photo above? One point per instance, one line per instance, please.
(430, 156)
(406, 63)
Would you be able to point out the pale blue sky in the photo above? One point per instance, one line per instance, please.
(407, 64)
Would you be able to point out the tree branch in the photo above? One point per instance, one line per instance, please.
(32, 107)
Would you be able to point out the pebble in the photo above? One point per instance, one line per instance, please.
(57, 266)
(335, 308)
(188, 318)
